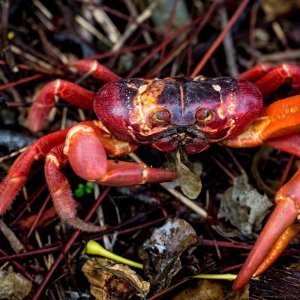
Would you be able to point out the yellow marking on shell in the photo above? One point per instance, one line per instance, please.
(221, 112)
(231, 103)
(136, 115)
(216, 87)
(144, 103)
(199, 78)
(132, 85)
(53, 159)
(230, 126)
(74, 130)
(182, 99)
(140, 103)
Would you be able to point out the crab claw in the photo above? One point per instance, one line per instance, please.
(278, 231)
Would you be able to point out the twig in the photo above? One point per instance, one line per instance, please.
(228, 45)
(220, 38)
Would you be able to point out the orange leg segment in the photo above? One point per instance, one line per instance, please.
(277, 120)
(279, 246)
(281, 218)
(277, 126)
(277, 232)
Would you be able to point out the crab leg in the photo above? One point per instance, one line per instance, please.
(280, 245)
(95, 69)
(269, 78)
(276, 127)
(61, 192)
(257, 72)
(270, 244)
(46, 99)
(67, 91)
(16, 177)
(84, 150)
(94, 166)
(277, 120)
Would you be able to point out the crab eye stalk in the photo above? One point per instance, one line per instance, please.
(204, 115)
(161, 117)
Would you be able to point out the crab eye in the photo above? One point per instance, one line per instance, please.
(161, 116)
(204, 115)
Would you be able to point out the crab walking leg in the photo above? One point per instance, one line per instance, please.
(61, 192)
(95, 69)
(276, 127)
(257, 72)
(93, 165)
(268, 78)
(18, 172)
(46, 99)
(121, 173)
(289, 143)
(278, 76)
(283, 216)
(279, 246)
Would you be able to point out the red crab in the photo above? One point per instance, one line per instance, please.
(166, 113)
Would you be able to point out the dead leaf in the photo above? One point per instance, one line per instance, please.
(275, 8)
(244, 207)
(110, 280)
(161, 252)
(14, 285)
(189, 182)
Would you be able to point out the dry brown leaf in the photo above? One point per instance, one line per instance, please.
(161, 253)
(189, 182)
(110, 280)
(244, 207)
(14, 285)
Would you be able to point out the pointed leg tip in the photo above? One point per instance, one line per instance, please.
(240, 282)
(83, 226)
(236, 286)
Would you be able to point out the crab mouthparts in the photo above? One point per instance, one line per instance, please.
(182, 138)
(189, 141)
